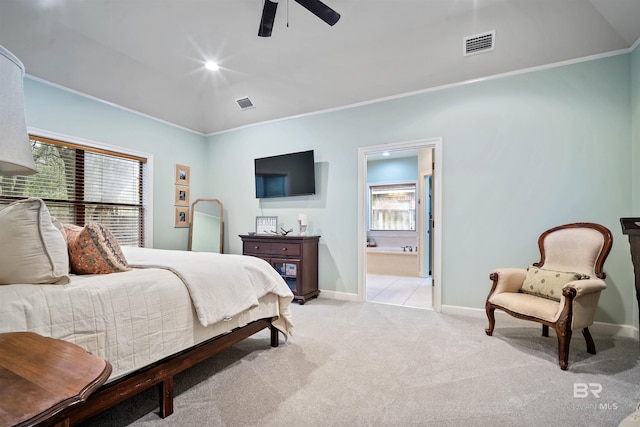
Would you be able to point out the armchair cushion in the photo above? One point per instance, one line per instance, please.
(548, 283)
(528, 305)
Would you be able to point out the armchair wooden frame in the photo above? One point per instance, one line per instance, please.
(563, 325)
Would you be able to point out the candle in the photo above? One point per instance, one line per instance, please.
(302, 218)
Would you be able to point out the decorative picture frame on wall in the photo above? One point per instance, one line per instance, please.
(183, 174)
(266, 225)
(182, 217)
(182, 195)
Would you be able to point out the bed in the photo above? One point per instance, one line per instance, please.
(163, 312)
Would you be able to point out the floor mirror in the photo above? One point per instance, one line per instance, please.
(206, 227)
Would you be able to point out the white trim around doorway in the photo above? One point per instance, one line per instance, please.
(436, 144)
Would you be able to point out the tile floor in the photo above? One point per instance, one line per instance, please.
(398, 290)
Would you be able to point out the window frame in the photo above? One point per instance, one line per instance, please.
(391, 184)
(147, 169)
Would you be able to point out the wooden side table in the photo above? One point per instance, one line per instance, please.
(40, 377)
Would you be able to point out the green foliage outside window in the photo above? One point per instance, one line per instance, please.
(82, 185)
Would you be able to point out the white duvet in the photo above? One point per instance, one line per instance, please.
(220, 285)
(135, 318)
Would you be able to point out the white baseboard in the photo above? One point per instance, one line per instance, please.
(341, 296)
(503, 319)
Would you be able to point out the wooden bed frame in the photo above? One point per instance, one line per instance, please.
(161, 373)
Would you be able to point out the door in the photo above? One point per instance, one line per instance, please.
(435, 235)
(428, 226)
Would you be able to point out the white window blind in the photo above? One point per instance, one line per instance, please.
(84, 184)
(392, 207)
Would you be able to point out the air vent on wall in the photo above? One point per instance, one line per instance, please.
(479, 43)
(245, 103)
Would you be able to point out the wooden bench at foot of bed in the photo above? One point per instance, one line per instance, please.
(162, 372)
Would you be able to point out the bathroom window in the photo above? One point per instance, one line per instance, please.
(392, 207)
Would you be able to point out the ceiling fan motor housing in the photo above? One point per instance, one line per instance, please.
(316, 7)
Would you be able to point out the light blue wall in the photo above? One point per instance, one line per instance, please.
(56, 110)
(521, 154)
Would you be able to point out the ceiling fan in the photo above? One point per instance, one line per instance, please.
(316, 7)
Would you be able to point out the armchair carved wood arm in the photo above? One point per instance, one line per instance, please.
(562, 289)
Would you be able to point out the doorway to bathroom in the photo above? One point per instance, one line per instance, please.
(398, 240)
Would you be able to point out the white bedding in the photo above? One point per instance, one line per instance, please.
(133, 318)
(220, 285)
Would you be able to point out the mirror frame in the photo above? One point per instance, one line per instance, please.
(193, 206)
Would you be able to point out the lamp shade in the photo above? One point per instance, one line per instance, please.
(15, 151)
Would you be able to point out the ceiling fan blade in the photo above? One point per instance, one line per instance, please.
(321, 10)
(268, 16)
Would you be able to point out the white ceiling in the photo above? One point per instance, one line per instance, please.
(148, 55)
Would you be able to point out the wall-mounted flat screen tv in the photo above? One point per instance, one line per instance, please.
(285, 175)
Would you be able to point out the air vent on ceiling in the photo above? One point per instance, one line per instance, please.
(245, 103)
(479, 43)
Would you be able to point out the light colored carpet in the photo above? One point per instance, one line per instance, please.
(367, 364)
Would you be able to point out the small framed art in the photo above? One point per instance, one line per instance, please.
(182, 195)
(182, 217)
(183, 174)
(266, 224)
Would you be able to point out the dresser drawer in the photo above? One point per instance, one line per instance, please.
(259, 248)
(271, 248)
(285, 249)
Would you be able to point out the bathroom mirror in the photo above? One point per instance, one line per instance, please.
(205, 229)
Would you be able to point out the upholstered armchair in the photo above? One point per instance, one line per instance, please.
(562, 289)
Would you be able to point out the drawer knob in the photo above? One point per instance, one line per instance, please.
(284, 249)
(257, 247)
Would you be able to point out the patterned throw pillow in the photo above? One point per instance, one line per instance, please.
(548, 283)
(94, 250)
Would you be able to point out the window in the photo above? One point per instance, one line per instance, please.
(392, 207)
(82, 184)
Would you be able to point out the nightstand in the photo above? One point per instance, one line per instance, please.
(40, 377)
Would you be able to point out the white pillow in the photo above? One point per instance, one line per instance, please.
(32, 249)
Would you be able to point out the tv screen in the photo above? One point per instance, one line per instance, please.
(285, 175)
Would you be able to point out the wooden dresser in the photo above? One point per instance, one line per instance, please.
(294, 257)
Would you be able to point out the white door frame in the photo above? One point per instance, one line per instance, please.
(436, 144)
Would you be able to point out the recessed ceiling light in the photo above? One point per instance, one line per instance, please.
(386, 153)
(210, 65)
